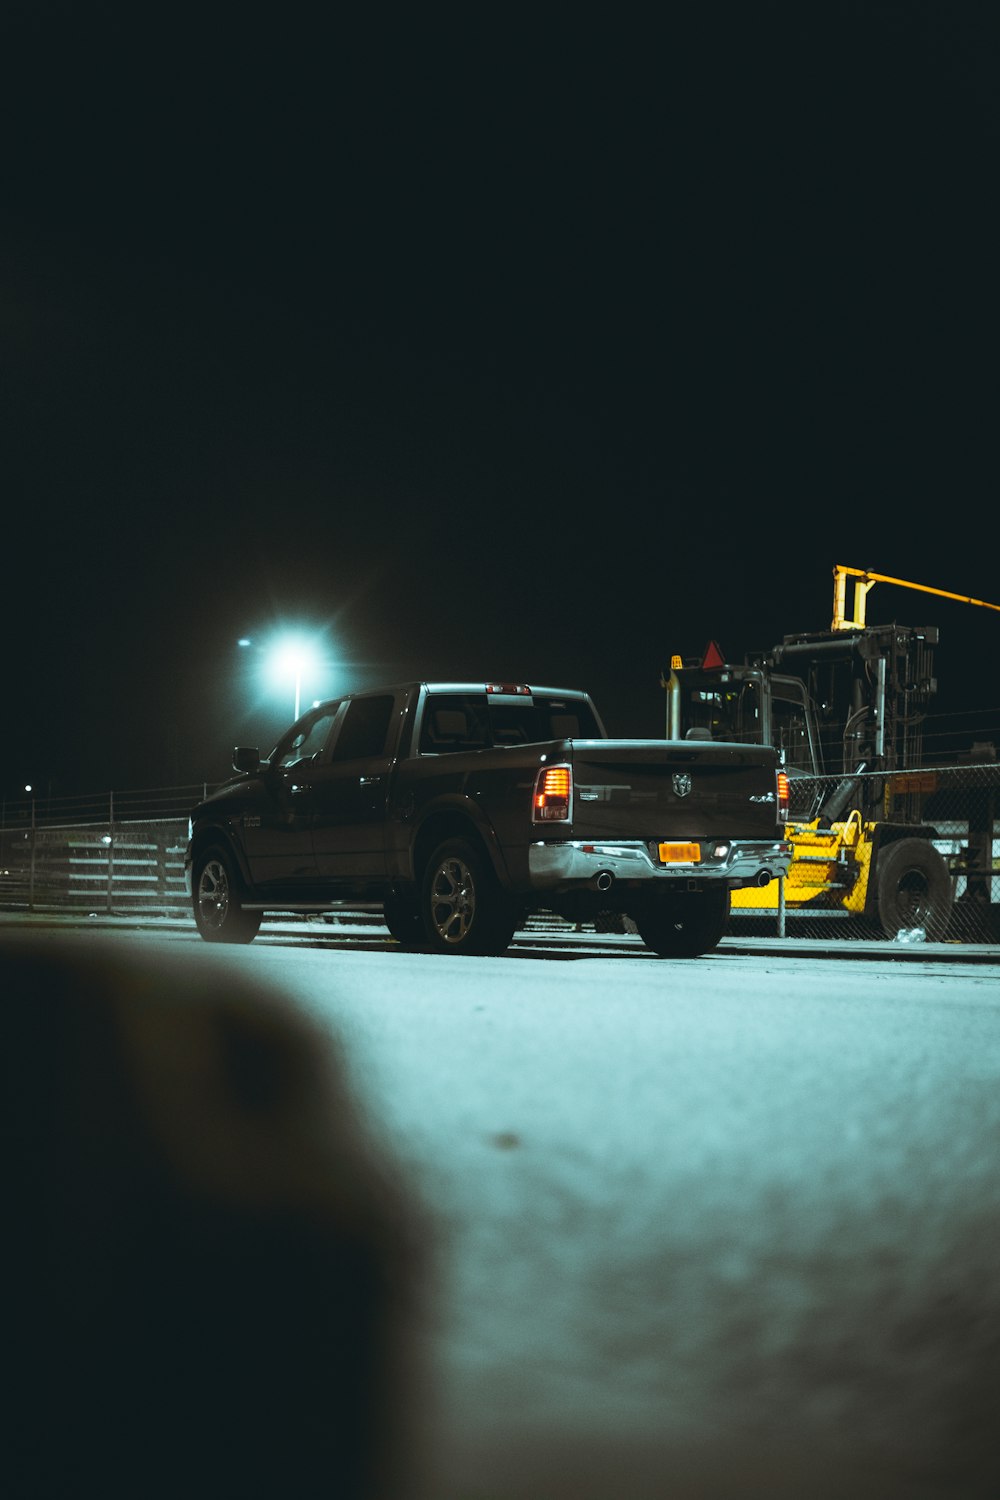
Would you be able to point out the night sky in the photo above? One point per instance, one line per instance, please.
(487, 342)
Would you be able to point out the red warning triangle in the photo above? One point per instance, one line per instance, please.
(712, 657)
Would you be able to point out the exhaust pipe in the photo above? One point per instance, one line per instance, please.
(604, 881)
(764, 878)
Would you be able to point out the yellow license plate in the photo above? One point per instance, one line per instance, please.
(680, 854)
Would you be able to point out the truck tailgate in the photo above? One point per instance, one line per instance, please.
(674, 789)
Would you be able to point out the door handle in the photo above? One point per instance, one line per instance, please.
(302, 786)
(369, 780)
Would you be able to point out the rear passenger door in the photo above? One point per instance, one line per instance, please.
(350, 789)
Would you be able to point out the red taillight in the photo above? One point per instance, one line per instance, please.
(552, 796)
(783, 788)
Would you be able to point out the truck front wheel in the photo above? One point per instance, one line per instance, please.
(463, 907)
(215, 890)
(914, 888)
(684, 924)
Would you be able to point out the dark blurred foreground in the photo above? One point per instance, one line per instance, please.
(207, 1267)
(215, 1283)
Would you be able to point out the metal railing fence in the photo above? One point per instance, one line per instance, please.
(111, 868)
(113, 852)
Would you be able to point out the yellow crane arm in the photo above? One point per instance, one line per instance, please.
(866, 581)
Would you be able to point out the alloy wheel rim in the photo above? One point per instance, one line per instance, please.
(213, 894)
(453, 901)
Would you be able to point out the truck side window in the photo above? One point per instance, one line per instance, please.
(364, 730)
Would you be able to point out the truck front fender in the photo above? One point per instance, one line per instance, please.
(219, 833)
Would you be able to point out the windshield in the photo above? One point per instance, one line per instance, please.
(306, 738)
(471, 721)
(729, 711)
(542, 719)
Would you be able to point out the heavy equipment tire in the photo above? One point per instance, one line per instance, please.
(216, 889)
(684, 924)
(463, 907)
(401, 913)
(914, 889)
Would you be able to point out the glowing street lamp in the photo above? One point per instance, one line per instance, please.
(292, 657)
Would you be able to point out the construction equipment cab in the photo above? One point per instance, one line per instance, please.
(709, 698)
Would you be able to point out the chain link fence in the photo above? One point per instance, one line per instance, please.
(123, 854)
(942, 881)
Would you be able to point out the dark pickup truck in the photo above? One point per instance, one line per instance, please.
(458, 809)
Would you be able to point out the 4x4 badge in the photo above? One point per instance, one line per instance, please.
(681, 782)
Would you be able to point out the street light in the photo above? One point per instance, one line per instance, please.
(288, 656)
(291, 658)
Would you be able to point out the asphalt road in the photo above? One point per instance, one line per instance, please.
(716, 1229)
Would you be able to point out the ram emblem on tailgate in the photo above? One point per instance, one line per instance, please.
(681, 783)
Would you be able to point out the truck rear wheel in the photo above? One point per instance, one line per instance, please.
(684, 924)
(463, 908)
(914, 889)
(215, 895)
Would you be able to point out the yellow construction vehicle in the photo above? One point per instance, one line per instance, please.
(841, 705)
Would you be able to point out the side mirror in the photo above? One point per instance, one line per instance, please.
(246, 758)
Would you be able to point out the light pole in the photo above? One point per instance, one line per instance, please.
(31, 868)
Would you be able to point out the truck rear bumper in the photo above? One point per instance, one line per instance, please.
(584, 864)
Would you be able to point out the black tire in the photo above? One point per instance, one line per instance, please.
(401, 913)
(216, 890)
(463, 907)
(684, 924)
(914, 889)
